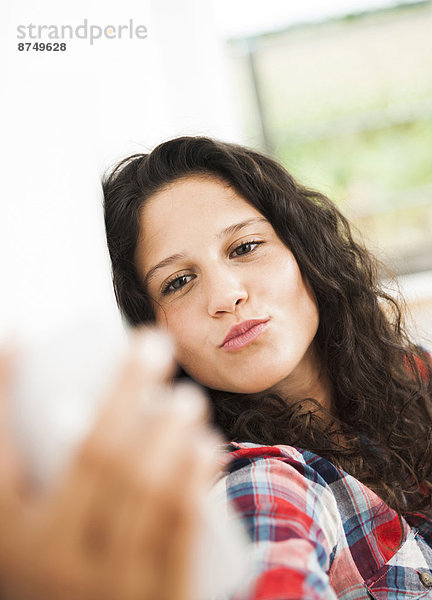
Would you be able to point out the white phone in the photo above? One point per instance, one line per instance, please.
(57, 391)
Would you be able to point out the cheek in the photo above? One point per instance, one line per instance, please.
(308, 312)
(181, 324)
(310, 299)
(171, 319)
(293, 294)
(283, 281)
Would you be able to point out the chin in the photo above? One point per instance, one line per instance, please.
(236, 383)
(248, 387)
(256, 381)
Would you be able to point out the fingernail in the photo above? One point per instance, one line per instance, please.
(190, 401)
(208, 445)
(154, 399)
(155, 349)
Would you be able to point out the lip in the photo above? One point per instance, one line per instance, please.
(243, 334)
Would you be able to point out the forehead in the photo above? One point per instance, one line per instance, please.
(195, 205)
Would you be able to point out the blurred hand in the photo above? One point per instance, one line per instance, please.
(121, 522)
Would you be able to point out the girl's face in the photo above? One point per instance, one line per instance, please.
(211, 261)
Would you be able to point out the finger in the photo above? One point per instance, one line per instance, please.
(118, 501)
(94, 477)
(152, 464)
(179, 555)
(7, 361)
(11, 473)
(190, 402)
(159, 513)
(13, 482)
(150, 362)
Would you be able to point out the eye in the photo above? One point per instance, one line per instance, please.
(245, 248)
(176, 284)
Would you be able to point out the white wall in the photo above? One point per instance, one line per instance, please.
(67, 117)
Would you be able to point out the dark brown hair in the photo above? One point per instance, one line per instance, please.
(381, 380)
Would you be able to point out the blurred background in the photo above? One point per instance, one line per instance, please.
(340, 91)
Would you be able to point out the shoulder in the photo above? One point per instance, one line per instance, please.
(421, 362)
(274, 471)
(294, 501)
(277, 482)
(283, 470)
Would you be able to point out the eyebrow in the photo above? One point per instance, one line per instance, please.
(230, 230)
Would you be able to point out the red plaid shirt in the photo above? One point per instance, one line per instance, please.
(318, 533)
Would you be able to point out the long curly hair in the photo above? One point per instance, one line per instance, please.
(381, 380)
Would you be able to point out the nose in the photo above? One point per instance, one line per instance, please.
(225, 291)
